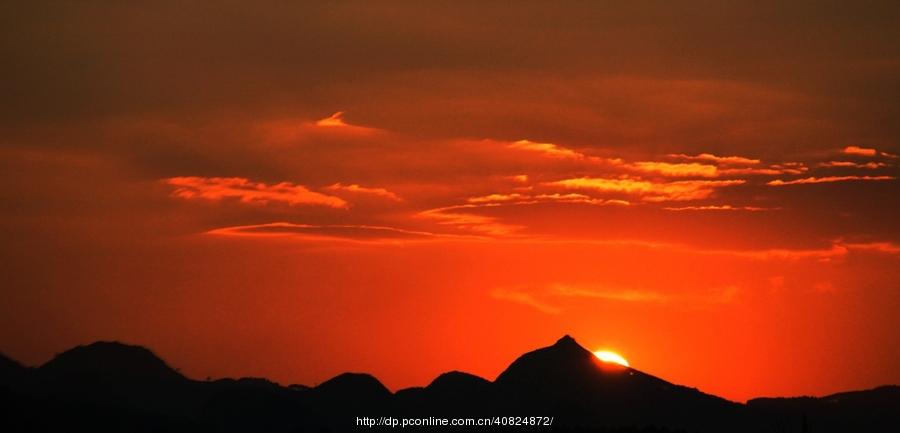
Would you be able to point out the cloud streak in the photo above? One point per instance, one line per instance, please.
(721, 295)
(249, 192)
(524, 298)
(648, 190)
(723, 207)
(724, 160)
(676, 170)
(357, 189)
(317, 232)
(860, 151)
(548, 149)
(851, 164)
(612, 295)
(524, 199)
(827, 179)
(460, 218)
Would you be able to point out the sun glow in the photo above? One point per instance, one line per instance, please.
(611, 357)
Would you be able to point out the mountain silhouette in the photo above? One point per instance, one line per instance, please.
(361, 386)
(115, 387)
(566, 378)
(457, 385)
(452, 393)
(109, 363)
(10, 370)
(351, 392)
(877, 409)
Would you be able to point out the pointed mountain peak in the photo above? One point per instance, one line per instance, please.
(565, 361)
(568, 347)
(566, 340)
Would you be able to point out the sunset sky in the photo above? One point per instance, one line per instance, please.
(292, 190)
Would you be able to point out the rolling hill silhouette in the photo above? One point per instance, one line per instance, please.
(109, 364)
(114, 387)
(873, 410)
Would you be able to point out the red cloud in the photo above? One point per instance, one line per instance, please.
(336, 123)
(330, 232)
(734, 160)
(357, 189)
(770, 171)
(525, 199)
(691, 169)
(649, 190)
(246, 191)
(549, 149)
(850, 164)
(524, 298)
(333, 120)
(826, 179)
(458, 217)
(725, 207)
(862, 151)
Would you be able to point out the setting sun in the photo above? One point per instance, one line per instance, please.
(611, 357)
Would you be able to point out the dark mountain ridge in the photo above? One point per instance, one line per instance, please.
(567, 378)
(877, 409)
(110, 386)
(109, 362)
(10, 369)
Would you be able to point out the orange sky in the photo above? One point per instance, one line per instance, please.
(294, 191)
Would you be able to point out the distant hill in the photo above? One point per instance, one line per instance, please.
(10, 370)
(872, 410)
(115, 387)
(109, 362)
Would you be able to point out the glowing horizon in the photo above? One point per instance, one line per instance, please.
(299, 189)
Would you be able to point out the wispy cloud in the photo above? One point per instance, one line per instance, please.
(524, 298)
(247, 191)
(461, 217)
(826, 179)
(719, 295)
(494, 198)
(881, 247)
(609, 294)
(740, 166)
(648, 190)
(337, 123)
(521, 199)
(357, 189)
(732, 160)
(548, 149)
(723, 207)
(861, 151)
(837, 250)
(335, 120)
(694, 169)
(866, 151)
(691, 169)
(773, 170)
(344, 232)
(851, 164)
